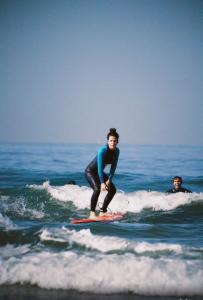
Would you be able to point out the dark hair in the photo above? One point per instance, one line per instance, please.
(113, 132)
(72, 182)
(178, 177)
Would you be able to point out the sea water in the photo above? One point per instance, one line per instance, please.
(155, 250)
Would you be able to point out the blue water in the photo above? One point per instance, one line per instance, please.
(156, 249)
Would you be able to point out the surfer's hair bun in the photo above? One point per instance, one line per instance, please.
(113, 132)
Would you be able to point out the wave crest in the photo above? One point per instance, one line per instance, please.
(133, 202)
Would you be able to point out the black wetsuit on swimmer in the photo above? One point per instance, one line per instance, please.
(96, 176)
(181, 189)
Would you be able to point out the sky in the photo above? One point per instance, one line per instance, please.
(72, 69)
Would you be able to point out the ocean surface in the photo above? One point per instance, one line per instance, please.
(154, 252)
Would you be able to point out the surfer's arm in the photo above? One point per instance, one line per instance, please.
(114, 165)
(100, 163)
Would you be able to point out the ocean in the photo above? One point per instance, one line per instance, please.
(154, 252)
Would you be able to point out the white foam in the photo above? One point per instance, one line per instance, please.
(6, 223)
(104, 244)
(104, 273)
(122, 202)
(137, 201)
(10, 250)
(35, 213)
(4, 197)
(19, 206)
(56, 235)
(78, 195)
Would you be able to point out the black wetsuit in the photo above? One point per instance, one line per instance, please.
(95, 175)
(181, 189)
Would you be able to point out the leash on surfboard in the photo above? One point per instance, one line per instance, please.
(99, 204)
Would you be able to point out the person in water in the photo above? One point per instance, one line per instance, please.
(177, 182)
(97, 179)
(72, 182)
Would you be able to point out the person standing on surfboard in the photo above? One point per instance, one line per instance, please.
(100, 181)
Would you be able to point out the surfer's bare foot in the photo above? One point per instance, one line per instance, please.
(92, 215)
(105, 214)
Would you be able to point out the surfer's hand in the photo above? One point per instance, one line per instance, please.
(103, 187)
(107, 185)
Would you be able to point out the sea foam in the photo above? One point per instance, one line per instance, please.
(133, 202)
(104, 273)
(105, 244)
(6, 223)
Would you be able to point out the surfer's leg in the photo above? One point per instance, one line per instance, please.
(109, 197)
(94, 182)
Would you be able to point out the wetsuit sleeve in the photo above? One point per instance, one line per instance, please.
(100, 163)
(114, 164)
(187, 191)
(169, 191)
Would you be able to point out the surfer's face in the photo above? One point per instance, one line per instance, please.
(112, 142)
(177, 183)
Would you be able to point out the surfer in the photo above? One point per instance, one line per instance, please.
(100, 181)
(177, 182)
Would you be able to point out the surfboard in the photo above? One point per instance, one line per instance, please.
(110, 218)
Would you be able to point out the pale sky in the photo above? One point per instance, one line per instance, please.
(70, 70)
